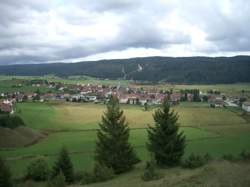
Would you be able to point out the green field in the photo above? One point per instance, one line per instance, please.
(228, 89)
(217, 131)
(11, 86)
(7, 82)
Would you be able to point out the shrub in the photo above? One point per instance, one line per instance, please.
(149, 172)
(100, 173)
(38, 170)
(28, 183)
(229, 157)
(58, 181)
(78, 176)
(5, 175)
(10, 121)
(245, 155)
(212, 105)
(64, 165)
(208, 157)
(195, 161)
(87, 178)
(16, 121)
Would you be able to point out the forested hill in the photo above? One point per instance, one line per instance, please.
(176, 70)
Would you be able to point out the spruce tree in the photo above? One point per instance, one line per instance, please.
(64, 165)
(165, 141)
(5, 175)
(112, 147)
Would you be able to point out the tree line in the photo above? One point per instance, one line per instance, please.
(189, 70)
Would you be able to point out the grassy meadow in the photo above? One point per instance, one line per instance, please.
(217, 131)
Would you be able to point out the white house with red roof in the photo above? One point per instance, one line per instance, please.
(6, 106)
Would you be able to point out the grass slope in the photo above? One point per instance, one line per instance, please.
(217, 131)
(215, 174)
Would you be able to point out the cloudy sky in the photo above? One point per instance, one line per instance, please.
(39, 31)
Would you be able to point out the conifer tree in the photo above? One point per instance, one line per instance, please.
(64, 165)
(112, 147)
(165, 141)
(5, 175)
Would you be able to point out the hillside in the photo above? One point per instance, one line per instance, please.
(176, 70)
(18, 137)
(215, 174)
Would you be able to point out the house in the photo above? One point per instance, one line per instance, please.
(123, 100)
(190, 97)
(217, 100)
(230, 102)
(29, 95)
(7, 107)
(19, 97)
(143, 101)
(49, 96)
(175, 98)
(133, 100)
(246, 106)
(91, 97)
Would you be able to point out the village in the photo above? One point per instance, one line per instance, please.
(98, 93)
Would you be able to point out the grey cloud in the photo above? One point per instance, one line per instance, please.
(26, 32)
(226, 25)
(108, 5)
(145, 33)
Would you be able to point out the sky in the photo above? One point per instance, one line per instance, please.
(42, 31)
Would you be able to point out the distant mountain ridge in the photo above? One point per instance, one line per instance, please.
(170, 69)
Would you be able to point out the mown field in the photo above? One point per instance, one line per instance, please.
(217, 131)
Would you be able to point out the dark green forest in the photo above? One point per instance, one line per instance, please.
(176, 70)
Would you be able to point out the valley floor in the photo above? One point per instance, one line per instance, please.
(216, 131)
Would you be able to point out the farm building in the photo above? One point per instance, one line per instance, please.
(6, 107)
(246, 106)
(216, 100)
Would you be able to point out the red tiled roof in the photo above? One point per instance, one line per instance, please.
(5, 107)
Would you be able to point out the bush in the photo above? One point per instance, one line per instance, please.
(5, 175)
(195, 161)
(100, 173)
(38, 170)
(149, 172)
(10, 121)
(58, 181)
(229, 157)
(63, 164)
(208, 157)
(245, 155)
(87, 178)
(212, 105)
(78, 176)
(28, 183)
